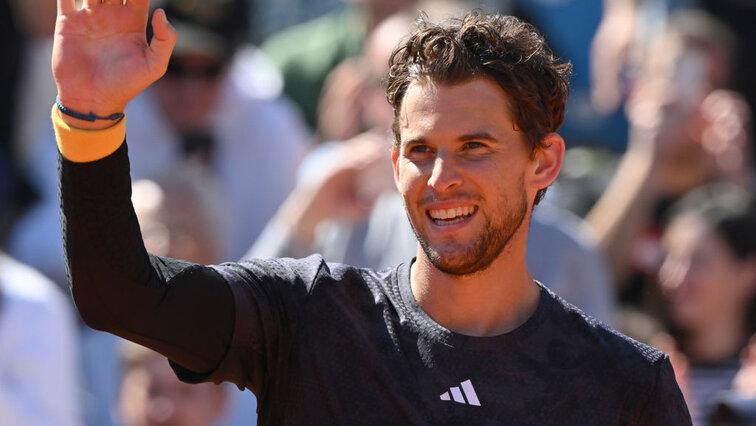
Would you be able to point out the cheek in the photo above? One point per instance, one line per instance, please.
(509, 187)
(408, 176)
(713, 268)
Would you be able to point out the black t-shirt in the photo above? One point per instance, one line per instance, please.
(330, 344)
(323, 343)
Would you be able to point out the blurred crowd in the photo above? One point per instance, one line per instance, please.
(270, 135)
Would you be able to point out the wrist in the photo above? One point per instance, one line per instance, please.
(86, 116)
(83, 145)
(75, 123)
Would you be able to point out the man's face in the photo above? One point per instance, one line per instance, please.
(461, 167)
(190, 90)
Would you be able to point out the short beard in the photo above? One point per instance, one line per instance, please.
(485, 250)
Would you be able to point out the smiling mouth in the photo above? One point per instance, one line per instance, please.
(451, 216)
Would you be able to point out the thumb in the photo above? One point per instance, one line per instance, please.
(163, 40)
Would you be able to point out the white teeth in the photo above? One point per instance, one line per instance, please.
(444, 214)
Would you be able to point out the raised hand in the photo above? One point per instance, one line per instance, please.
(101, 59)
(725, 136)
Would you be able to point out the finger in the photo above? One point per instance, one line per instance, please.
(163, 40)
(66, 6)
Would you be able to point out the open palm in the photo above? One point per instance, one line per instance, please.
(101, 59)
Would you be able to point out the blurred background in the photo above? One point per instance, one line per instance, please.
(269, 135)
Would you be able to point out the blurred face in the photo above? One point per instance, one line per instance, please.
(172, 224)
(189, 90)
(151, 395)
(701, 278)
(378, 48)
(461, 167)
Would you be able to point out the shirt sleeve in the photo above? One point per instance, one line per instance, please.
(269, 305)
(183, 310)
(665, 405)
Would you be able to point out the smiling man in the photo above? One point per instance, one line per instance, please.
(459, 335)
(469, 180)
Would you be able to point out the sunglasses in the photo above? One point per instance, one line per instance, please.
(209, 72)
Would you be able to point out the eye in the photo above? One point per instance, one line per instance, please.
(418, 149)
(473, 145)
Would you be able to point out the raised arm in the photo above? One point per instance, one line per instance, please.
(101, 60)
(673, 147)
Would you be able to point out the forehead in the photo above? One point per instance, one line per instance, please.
(474, 106)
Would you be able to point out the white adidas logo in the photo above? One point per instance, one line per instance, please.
(456, 394)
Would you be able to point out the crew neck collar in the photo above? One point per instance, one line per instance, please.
(420, 319)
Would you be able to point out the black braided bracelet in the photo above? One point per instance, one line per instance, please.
(86, 117)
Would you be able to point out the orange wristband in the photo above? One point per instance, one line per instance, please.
(83, 146)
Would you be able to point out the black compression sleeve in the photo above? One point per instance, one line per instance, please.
(182, 310)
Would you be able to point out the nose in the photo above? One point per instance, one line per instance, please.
(445, 174)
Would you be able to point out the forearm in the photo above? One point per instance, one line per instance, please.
(291, 232)
(182, 310)
(277, 240)
(300, 214)
(623, 210)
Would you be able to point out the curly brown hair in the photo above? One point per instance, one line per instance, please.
(503, 48)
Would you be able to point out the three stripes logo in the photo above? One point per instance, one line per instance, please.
(470, 397)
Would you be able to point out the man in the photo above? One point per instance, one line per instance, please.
(461, 335)
(346, 207)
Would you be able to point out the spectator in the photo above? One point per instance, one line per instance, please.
(177, 216)
(708, 280)
(151, 395)
(686, 130)
(307, 52)
(38, 346)
(738, 407)
(27, 87)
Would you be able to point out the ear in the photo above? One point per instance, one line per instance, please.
(547, 161)
(395, 162)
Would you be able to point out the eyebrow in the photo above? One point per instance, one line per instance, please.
(464, 138)
(413, 141)
(477, 136)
